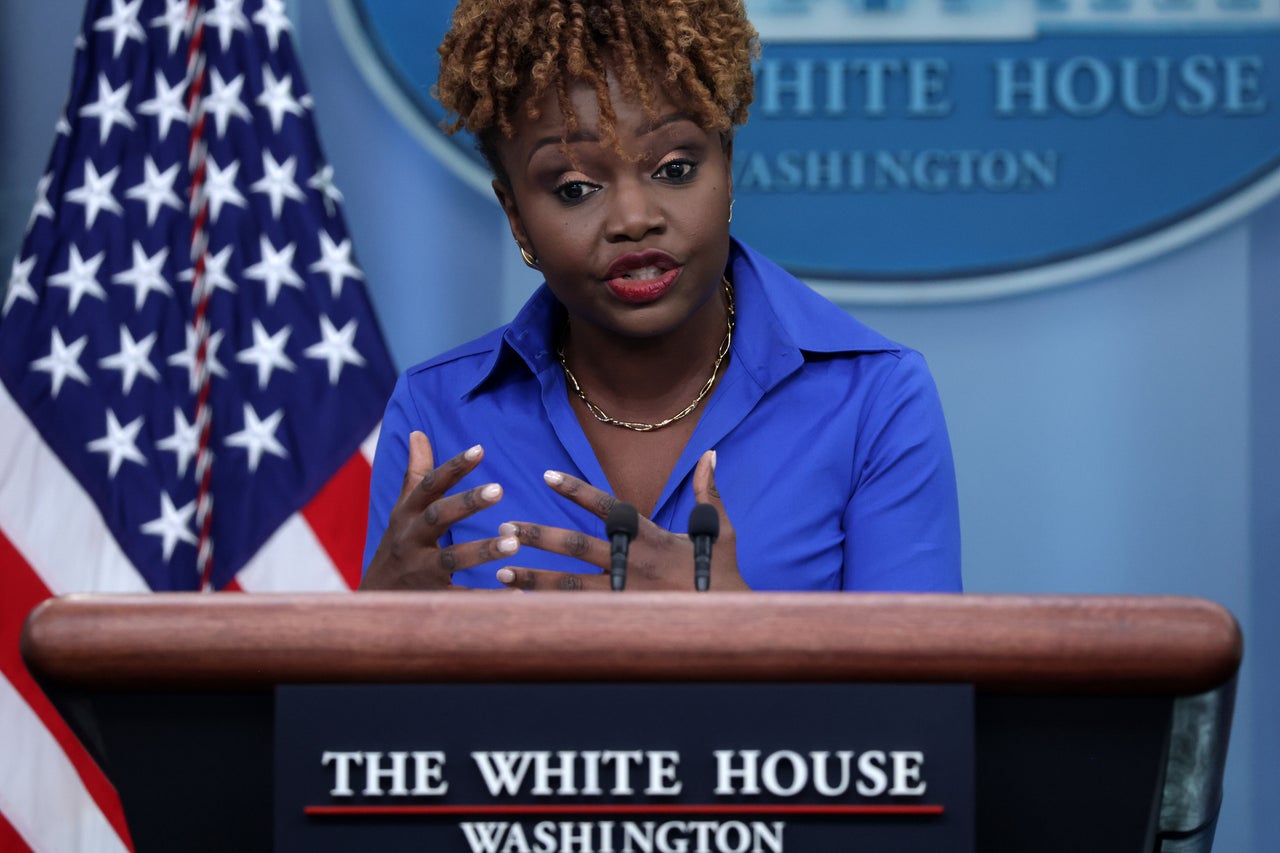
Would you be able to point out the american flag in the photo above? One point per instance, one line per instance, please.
(192, 375)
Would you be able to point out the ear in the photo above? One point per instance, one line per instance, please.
(507, 199)
(726, 141)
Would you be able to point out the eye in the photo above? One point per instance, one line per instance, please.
(676, 171)
(574, 191)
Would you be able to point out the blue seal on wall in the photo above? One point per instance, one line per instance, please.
(921, 150)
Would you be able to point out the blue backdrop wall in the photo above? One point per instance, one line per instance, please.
(1115, 435)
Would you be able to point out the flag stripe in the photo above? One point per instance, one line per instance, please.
(48, 804)
(291, 560)
(10, 840)
(23, 591)
(329, 515)
(40, 501)
(370, 445)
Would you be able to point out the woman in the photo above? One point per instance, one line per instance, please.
(662, 363)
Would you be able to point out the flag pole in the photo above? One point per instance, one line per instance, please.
(197, 154)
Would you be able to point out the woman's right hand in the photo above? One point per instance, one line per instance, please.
(409, 555)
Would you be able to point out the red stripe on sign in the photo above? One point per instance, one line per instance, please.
(23, 590)
(338, 516)
(630, 808)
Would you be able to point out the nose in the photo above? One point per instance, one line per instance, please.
(634, 212)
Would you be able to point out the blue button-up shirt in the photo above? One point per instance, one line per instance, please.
(832, 453)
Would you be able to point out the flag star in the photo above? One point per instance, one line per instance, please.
(307, 101)
(20, 284)
(120, 443)
(227, 18)
(123, 23)
(271, 17)
(173, 525)
(145, 275)
(278, 183)
(110, 108)
(215, 272)
(335, 262)
(323, 182)
(267, 352)
(259, 436)
(95, 193)
(275, 269)
(277, 97)
(174, 20)
(183, 442)
(62, 127)
(133, 358)
(80, 278)
(186, 358)
(63, 361)
(167, 106)
(42, 206)
(336, 348)
(224, 100)
(220, 187)
(156, 189)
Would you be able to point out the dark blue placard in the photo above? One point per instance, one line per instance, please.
(924, 731)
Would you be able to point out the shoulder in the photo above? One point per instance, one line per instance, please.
(505, 351)
(451, 375)
(808, 319)
(471, 355)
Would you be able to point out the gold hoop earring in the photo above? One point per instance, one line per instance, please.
(529, 259)
(731, 201)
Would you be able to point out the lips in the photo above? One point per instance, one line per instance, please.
(641, 277)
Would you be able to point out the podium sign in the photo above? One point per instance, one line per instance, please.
(705, 768)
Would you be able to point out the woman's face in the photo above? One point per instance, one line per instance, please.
(634, 245)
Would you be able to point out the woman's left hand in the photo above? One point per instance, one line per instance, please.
(657, 560)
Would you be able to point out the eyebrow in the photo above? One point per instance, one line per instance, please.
(586, 136)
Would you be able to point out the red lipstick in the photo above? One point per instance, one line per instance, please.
(642, 277)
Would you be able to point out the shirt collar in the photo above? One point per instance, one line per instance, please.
(779, 318)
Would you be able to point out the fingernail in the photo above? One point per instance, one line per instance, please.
(473, 453)
(506, 528)
(555, 478)
(713, 462)
(506, 576)
(508, 545)
(491, 492)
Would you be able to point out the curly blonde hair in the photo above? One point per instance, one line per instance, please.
(501, 56)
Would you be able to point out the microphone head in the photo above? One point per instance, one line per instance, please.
(704, 521)
(623, 518)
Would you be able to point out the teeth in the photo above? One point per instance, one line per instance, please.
(644, 274)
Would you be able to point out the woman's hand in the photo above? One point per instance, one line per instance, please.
(657, 560)
(409, 555)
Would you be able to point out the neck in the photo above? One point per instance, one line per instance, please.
(647, 379)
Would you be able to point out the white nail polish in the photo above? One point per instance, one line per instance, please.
(491, 492)
(473, 453)
(508, 545)
(555, 478)
(506, 576)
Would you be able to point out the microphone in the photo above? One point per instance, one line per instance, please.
(622, 525)
(704, 527)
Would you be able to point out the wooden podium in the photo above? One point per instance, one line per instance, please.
(1101, 722)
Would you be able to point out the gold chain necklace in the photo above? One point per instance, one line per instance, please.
(599, 413)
